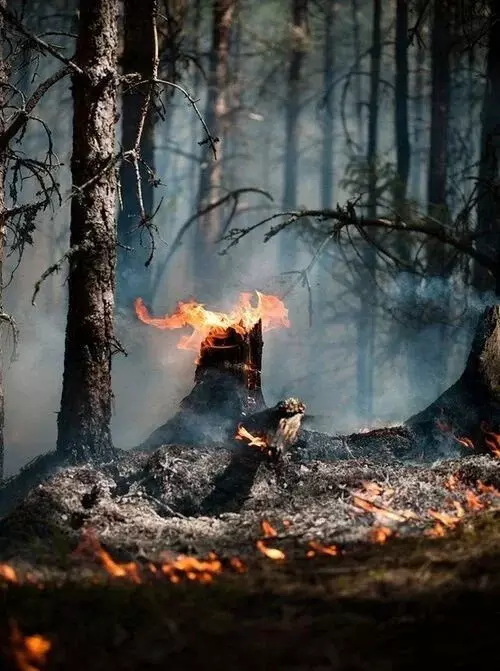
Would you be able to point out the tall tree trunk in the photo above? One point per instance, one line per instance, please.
(488, 207)
(357, 79)
(133, 278)
(366, 322)
(4, 81)
(210, 225)
(299, 39)
(84, 430)
(196, 29)
(418, 124)
(327, 148)
(401, 108)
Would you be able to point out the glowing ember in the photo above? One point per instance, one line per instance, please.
(316, 548)
(208, 324)
(268, 530)
(451, 482)
(201, 570)
(381, 511)
(473, 501)
(29, 652)
(380, 534)
(487, 489)
(7, 573)
(271, 553)
(253, 441)
(437, 531)
(466, 442)
(446, 519)
(491, 439)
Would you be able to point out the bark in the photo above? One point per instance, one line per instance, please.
(84, 419)
(401, 107)
(418, 125)
(227, 388)
(299, 38)
(357, 79)
(366, 321)
(133, 278)
(4, 80)
(327, 149)
(472, 404)
(211, 174)
(488, 207)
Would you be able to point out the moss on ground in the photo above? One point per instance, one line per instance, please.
(409, 603)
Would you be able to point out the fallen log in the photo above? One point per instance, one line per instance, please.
(466, 417)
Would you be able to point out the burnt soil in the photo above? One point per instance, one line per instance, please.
(414, 600)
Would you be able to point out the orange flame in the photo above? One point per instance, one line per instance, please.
(253, 441)
(316, 548)
(487, 489)
(29, 652)
(473, 501)
(491, 439)
(451, 482)
(466, 442)
(271, 553)
(270, 309)
(268, 530)
(7, 573)
(380, 534)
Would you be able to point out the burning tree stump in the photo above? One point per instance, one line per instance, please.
(468, 413)
(227, 388)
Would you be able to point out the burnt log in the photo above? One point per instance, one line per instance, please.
(461, 418)
(227, 389)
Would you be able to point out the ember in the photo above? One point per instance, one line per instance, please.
(210, 325)
(253, 441)
(380, 534)
(29, 652)
(491, 439)
(268, 530)
(7, 573)
(271, 553)
(316, 548)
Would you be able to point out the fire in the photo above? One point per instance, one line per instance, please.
(487, 489)
(268, 530)
(316, 548)
(451, 482)
(253, 441)
(473, 501)
(271, 553)
(466, 442)
(201, 570)
(29, 652)
(491, 439)
(208, 324)
(7, 573)
(380, 534)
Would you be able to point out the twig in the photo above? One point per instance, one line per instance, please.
(57, 266)
(44, 46)
(8, 319)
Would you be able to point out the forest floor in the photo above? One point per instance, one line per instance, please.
(409, 603)
(414, 577)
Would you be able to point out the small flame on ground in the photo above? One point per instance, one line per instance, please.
(29, 652)
(253, 441)
(317, 548)
(268, 530)
(466, 442)
(271, 553)
(380, 534)
(473, 501)
(491, 439)
(206, 323)
(8, 574)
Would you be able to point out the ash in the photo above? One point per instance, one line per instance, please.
(185, 499)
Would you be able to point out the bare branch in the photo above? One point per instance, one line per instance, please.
(22, 116)
(44, 46)
(57, 266)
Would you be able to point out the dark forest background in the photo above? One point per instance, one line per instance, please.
(389, 110)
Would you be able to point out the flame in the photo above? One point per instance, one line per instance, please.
(491, 439)
(206, 323)
(8, 574)
(466, 442)
(487, 489)
(446, 519)
(268, 530)
(316, 548)
(201, 570)
(29, 652)
(253, 441)
(451, 482)
(271, 553)
(473, 501)
(381, 511)
(437, 531)
(380, 534)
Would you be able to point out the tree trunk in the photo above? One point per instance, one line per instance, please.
(357, 79)
(216, 112)
(418, 124)
(488, 207)
(133, 278)
(299, 38)
(401, 109)
(84, 419)
(366, 321)
(327, 149)
(4, 80)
